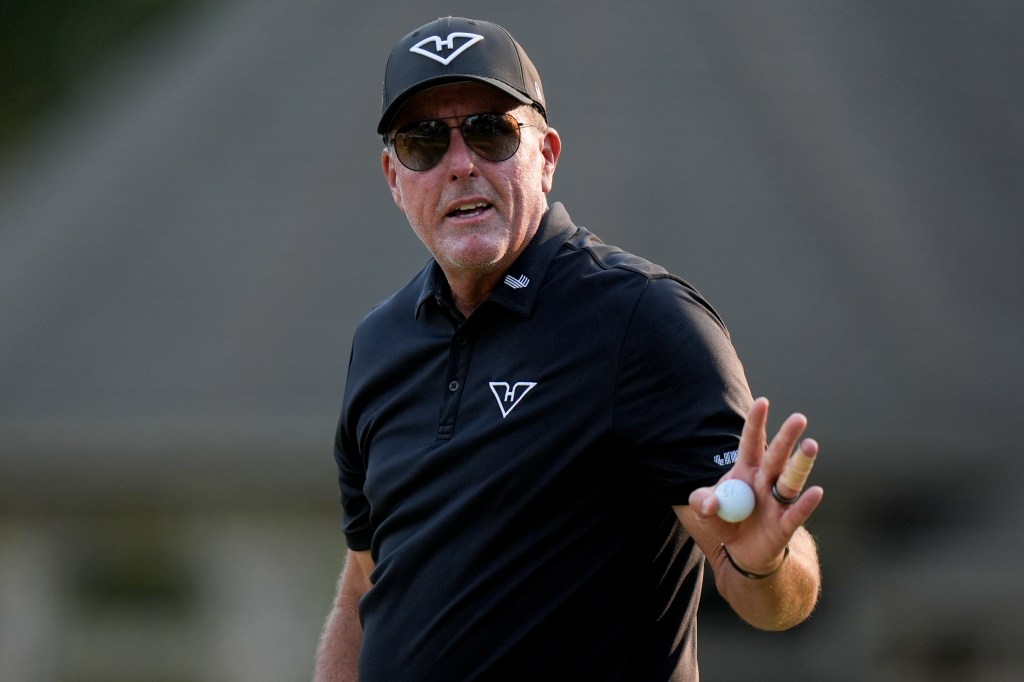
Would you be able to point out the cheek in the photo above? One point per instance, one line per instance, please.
(531, 170)
(411, 193)
(416, 199)
(528, 179)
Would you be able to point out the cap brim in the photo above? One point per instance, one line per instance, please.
(398, 102)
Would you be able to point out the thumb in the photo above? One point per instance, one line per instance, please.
(703, 501)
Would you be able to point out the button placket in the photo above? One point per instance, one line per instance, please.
(459, 352)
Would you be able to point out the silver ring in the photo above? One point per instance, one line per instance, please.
(783, 500)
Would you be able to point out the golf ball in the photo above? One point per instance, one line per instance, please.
(735, 500)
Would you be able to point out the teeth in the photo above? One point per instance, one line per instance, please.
(472, 207)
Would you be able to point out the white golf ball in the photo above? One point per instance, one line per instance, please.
(735, 500)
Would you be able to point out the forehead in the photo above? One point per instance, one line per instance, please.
(453, 99)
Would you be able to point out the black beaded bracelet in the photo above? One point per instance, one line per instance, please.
(748, 574)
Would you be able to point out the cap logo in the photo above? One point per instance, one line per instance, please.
(439, 45)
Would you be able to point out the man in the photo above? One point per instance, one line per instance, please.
(533, 426)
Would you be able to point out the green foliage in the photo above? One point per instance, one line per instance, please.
(47, 46)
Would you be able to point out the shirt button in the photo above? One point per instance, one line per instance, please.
(461, 340)
(453, 386)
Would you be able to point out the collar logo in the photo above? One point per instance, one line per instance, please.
(520, 282)
(471, 39)
(510, 395)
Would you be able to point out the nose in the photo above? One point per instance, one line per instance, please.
(461, 161)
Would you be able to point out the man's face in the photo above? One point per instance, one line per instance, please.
(475, 216)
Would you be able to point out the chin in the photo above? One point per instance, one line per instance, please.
(479, 257)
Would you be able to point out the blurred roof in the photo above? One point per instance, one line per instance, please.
(186, 249)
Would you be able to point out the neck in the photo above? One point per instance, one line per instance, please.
(471, 286)
(469, 290)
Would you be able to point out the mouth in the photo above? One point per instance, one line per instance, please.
(469, 210)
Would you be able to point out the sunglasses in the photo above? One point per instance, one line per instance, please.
(421, 145)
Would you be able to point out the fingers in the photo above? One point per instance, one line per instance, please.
(754, 434)
(704, 501)
(798, 467)
(793, 469)
(786, 474)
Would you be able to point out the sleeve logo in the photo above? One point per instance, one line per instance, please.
(727, 458)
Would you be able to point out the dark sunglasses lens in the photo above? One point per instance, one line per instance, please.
(421, 145)
(494, 137)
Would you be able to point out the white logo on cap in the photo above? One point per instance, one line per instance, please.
(439, 44)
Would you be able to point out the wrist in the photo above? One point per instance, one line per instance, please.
(749, 574)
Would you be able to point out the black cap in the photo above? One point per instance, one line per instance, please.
(454, 49)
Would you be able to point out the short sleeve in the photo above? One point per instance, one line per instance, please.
(351, 465)
(682, 395)
(355, 506)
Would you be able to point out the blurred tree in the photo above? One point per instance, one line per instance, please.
(47, 46)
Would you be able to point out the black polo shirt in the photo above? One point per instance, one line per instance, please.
(513, 473)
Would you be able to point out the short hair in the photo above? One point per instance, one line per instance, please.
(537, 118)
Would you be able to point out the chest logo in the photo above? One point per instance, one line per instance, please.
(470, 39)
(509, 395)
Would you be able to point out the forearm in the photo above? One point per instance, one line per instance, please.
(338, 654)
(783, 599)
(337, 658)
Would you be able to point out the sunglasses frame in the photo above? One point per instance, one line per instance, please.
(391, 141)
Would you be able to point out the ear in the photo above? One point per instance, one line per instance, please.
(389, 166)
(551, 149)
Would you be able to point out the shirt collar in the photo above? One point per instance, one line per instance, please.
(518, 291)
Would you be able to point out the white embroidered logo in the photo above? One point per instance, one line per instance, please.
(439, 44)
(519, 282)
(510, 396)
(727, 458)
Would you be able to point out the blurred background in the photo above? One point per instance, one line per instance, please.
(192, 222)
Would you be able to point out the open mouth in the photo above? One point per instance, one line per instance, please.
(469, 210)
